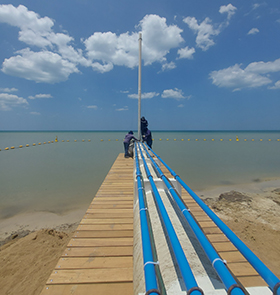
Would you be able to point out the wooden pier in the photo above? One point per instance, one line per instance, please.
(99, 257)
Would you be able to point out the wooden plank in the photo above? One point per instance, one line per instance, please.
(87, 276)
(242, 269)
(108, 289)
(104, 234)
(217, 238)
(98, 251)
(94, 262)
(88, 220)
(232, 256)
(104, 227)
(108, 215)
(97, 242)
(224, 246)
(128, 212)
(251, 281)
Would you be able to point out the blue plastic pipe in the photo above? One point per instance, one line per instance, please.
(185, 269)
(213, 256)
(149, 267)
(270, 278)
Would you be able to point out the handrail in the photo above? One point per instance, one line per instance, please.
(181, 259)
(149, 266)
(216, 261)
(270, 278)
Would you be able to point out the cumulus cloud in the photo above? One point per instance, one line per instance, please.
(173, 93)
(35, 113)
(253, 31)
(254, 75)
(186, 52)
(147, 95)
(44, 66)
(8, 101)
(206, 30)
(122, 50)
(51, 57)
(40, 96)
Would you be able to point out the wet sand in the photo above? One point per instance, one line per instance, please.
(34, 242)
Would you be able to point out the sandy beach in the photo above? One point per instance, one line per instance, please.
(32, 243)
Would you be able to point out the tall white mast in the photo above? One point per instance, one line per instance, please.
(139, 86)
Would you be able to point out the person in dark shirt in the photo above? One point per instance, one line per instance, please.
(148, 137)
(129, 136)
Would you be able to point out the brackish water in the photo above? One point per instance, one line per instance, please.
(64, 176)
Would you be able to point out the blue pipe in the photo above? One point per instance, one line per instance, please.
(149, 267)
(213, 256)
(270, 278)
(185, 269)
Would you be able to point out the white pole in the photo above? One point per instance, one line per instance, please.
(139, 86)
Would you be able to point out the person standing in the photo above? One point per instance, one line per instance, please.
(129, 136)
(148, 137)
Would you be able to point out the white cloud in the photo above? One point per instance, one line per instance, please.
(186, 52)
(206, 30)
(147, 95)
(173, 93)
(276, 85)
(40, 96)
(168, 66)
(122, 50)
(8, 101)
(253, 31)
(125, 108)
(92, 107)
(229, 9)
(8, 90)
(44, 66)
(57, 58)
(35, 113)
(180, 106)
(254, 75)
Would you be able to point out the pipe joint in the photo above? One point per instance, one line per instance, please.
(235, 286)
(275, 289)
(195, 289)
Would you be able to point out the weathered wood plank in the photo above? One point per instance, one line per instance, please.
(87, 276)
(97, 242)
(107, 288)
(103, 234)
(94, 262)
(98, 251)
(104, 227)
(89, 220)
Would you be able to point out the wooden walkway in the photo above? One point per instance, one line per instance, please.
(99, 257)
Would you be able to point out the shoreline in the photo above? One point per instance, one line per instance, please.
(34, 221)
(24, 223)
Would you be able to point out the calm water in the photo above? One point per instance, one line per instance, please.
(64, 176)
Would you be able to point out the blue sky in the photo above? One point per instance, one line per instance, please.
(73, 64)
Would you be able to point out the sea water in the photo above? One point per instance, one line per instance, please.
(62, 176)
